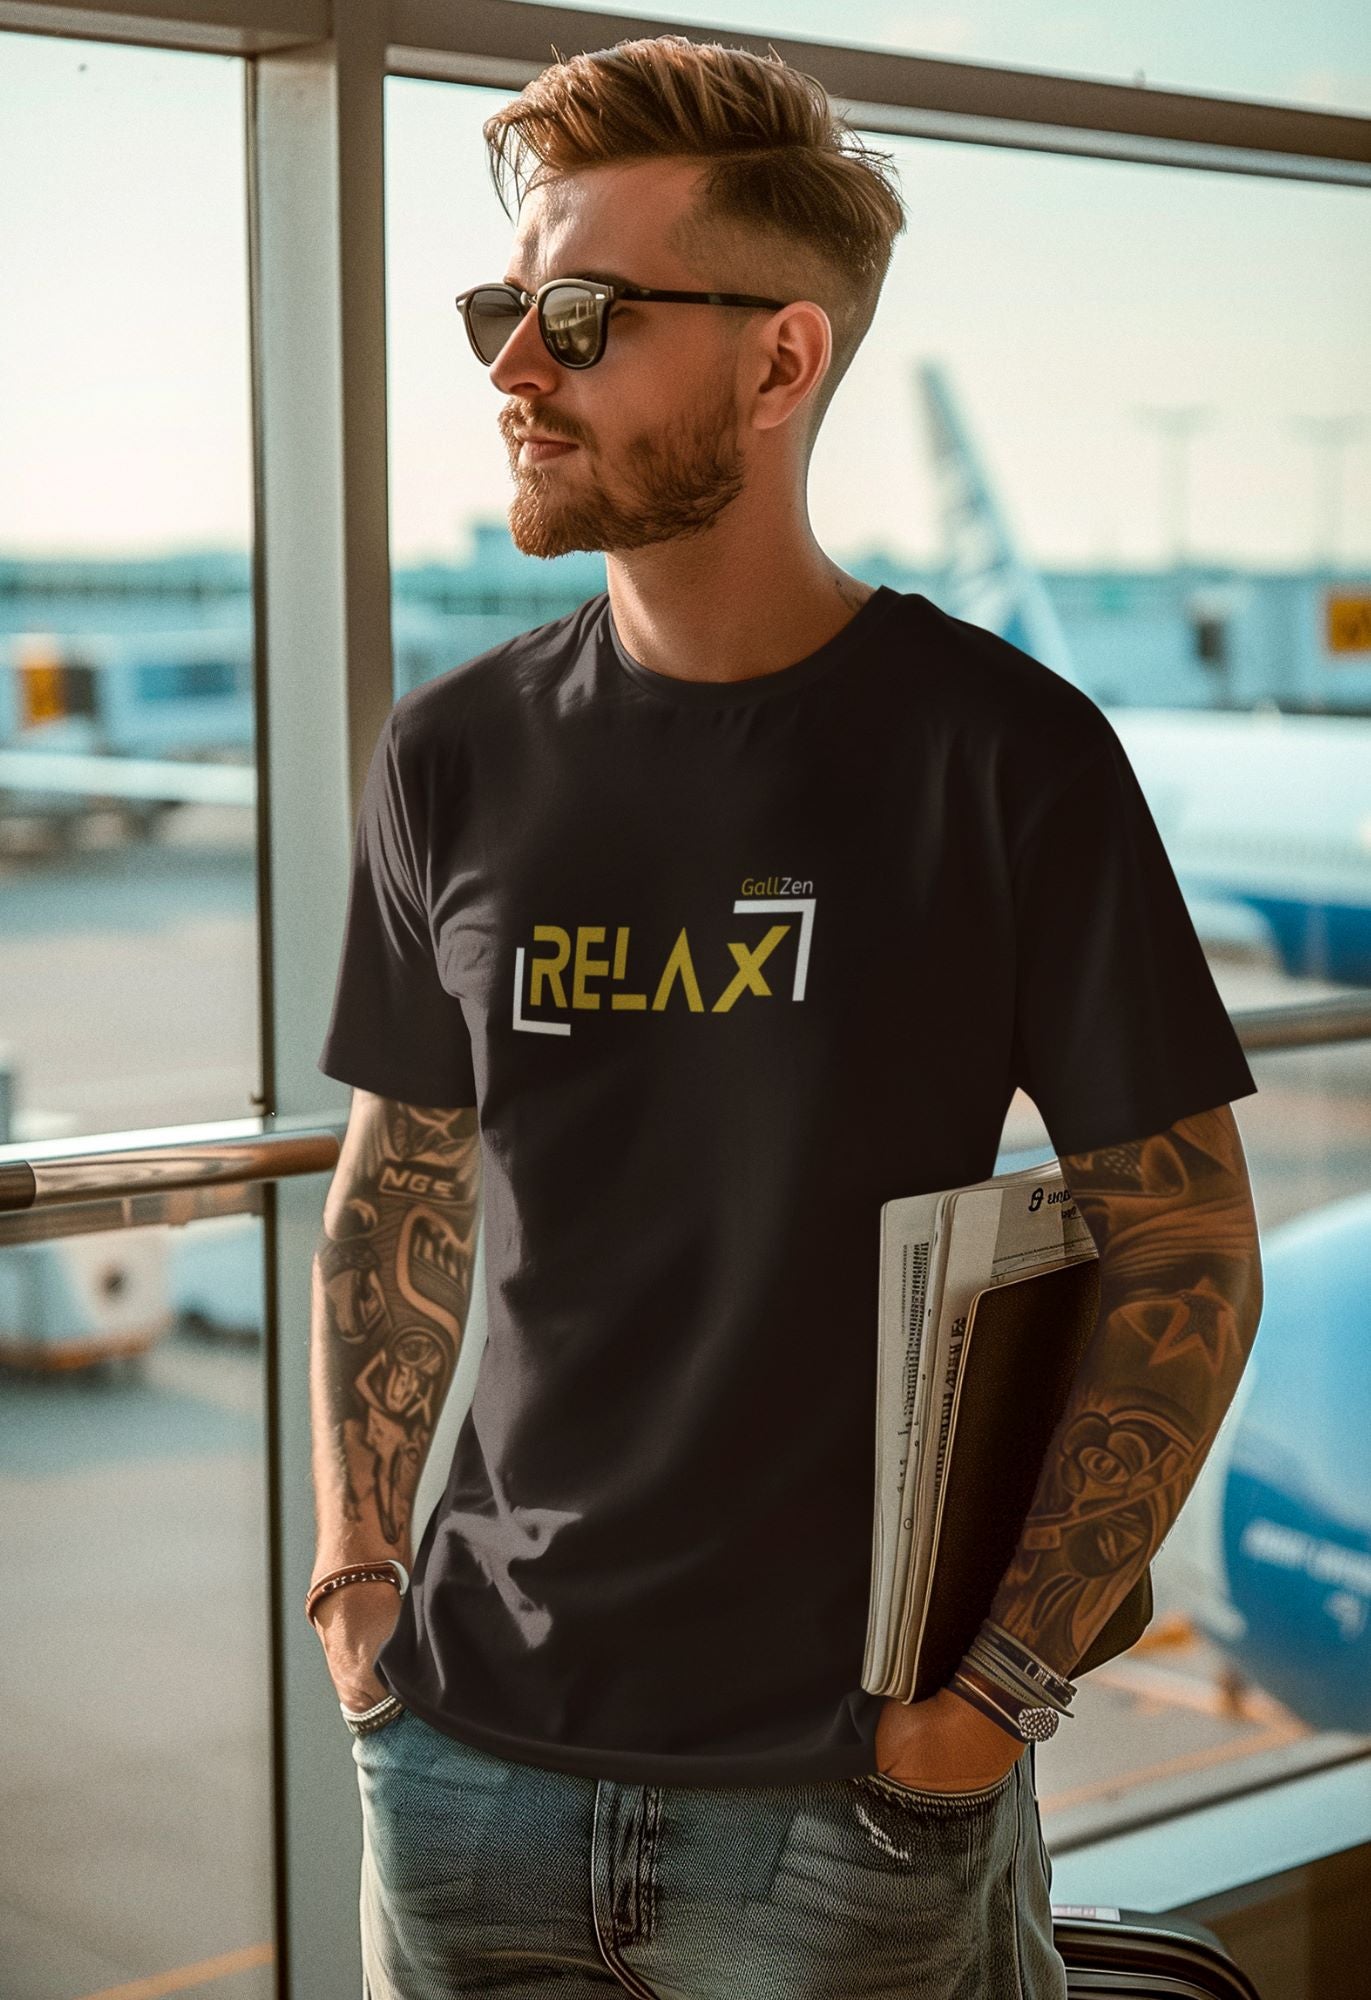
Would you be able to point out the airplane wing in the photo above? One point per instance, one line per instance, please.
(91, 775)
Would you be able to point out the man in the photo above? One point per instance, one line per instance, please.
(683, 931)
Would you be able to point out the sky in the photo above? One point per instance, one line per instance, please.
(1072, 302)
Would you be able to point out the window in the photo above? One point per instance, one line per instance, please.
(132, 1386)
(1102, 346)
(127, 865)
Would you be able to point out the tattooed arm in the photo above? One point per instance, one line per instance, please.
(1180, 1299)
(391, 1287)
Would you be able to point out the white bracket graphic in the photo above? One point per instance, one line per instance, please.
(805, 905)
(520, 1019)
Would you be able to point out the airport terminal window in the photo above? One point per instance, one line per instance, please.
(1159, 533)
(178, 680)
(139, 1843)
(1211, 637)
(130, 995)
(136, 1676)
(1140, 435)
(1177, 532)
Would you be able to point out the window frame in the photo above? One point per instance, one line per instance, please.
(314, 82)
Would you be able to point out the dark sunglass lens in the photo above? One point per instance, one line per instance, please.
(492, 315)
(572, 321)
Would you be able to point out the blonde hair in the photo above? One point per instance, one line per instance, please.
(790, 203)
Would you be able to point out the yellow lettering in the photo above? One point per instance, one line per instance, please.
(549, 968)
(620, 960)
(748, 977)
(679, 964)
(586, 934)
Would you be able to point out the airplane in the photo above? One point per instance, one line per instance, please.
(1266, 815)
(1270, 1554)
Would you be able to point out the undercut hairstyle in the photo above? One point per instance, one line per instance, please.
(791, 202)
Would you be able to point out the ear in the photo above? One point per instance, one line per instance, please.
(789, 355)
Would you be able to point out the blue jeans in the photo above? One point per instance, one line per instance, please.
(481, 1876)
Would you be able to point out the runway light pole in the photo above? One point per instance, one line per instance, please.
(1329, 435)
(1176, 422)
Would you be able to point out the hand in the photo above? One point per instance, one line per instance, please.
(353, 1624)
(943, 1744)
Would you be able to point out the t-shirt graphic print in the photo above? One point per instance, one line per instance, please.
(562, 964)
(724, 966)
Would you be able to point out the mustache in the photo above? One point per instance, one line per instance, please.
(513, 429)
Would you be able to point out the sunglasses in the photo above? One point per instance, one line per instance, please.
(573, 314)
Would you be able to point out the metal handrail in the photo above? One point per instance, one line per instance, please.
(1343, 1017)
(62, 1173)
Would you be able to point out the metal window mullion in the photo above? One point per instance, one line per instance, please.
(322, 588)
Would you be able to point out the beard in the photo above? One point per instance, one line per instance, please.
(670, 482)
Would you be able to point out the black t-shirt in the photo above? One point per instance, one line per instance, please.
(724, 967)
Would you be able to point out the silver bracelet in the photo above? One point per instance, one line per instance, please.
(1019, 1685)
(361, 1714)
(1015, 1654)
(1004, 1660)
(1014, 1649)
(1008, 1683)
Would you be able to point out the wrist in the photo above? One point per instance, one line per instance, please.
(360, 1604)
(974, 1695)
(1025, 1719)
(1001, 1659)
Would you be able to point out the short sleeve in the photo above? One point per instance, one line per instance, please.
(1119, 1029)
(394, 1029)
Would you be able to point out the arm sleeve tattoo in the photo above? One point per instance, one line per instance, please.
(1180, 1299)
(392, 1282)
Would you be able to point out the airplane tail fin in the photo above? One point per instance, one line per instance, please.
(985, 578)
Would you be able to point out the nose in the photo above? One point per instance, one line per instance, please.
(524, 362)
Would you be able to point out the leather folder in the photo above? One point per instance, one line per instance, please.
(1024, 1339)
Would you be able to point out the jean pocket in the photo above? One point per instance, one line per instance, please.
(950, 1802)
(366, 1721)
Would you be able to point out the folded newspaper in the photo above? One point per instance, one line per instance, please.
(988, 1296)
